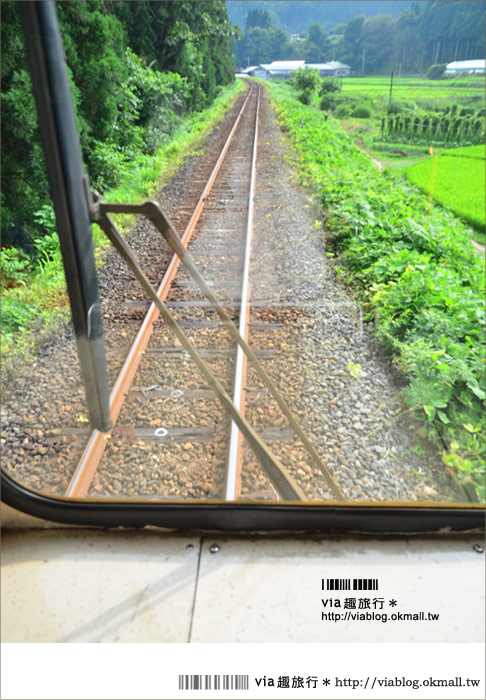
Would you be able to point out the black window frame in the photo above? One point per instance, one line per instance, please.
(395, 517)
(387, 518)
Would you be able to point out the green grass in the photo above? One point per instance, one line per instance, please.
(457, 181)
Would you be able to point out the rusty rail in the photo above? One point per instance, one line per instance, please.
(284, 483)
(154, 212)
(86, 468)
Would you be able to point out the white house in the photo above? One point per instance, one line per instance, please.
(335, 68)
(283, 69)
(249, 70)
(474, 67)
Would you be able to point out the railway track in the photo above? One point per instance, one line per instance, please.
(88, 464)
(221, 228)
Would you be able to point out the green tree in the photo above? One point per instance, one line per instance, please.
(255, 46)
(311, 53)
(306, 78)
(125, 103)
(138, 23)
(378, 42)
(436, 71)
(291, 51)
(257, 18)
(408, 42)
(352, 45)
(439, 32)
(318, 36)
(94, 43)
(261, 45)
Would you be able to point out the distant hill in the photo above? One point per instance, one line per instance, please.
(296, 15)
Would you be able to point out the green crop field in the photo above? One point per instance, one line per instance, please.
(478, 152)
(417, 88)
(417, 92)
(455, 179)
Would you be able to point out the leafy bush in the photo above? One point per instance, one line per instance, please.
(361, 112)
(329, 85)
(436, 71)
(15, 315)
(342, 111)
(108, 165)
(413, 266)
(15, 265)
(46, 219)
(306, 79)
(345, 104)
(305, 97)
(155, 101)
(328, 102)
(395, 107)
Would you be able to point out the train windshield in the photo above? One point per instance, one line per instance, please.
(295, 315)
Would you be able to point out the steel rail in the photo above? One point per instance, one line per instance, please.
(286, 486)
(86, 468)
(232, 486)
(154, 212)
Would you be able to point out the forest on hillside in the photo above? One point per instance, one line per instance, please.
(135, 68)
(424, 33)
(296, 15)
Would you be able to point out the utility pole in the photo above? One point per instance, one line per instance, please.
(391, 88)
(363, 61)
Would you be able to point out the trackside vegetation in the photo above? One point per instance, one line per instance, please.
(413, 267)
(148, 79)
(135, 69)
(34, 291)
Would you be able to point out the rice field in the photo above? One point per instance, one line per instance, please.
(455, 179)
(440, 92)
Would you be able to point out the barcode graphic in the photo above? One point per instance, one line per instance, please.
(214, 682)
(344, 584)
